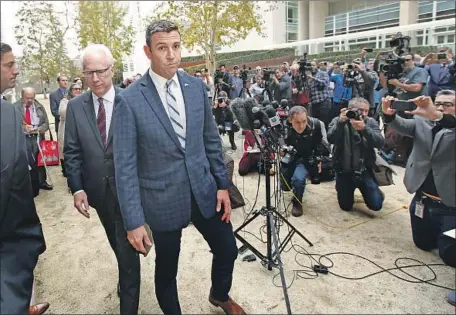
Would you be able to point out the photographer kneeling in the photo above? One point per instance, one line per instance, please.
(224, 118)
(430, 170)
(355, 135)
(306, 137)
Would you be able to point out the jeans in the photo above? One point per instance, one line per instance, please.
(428, 232)
(346, 185)
(297, 180)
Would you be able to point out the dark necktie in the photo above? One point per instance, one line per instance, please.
(101, 120)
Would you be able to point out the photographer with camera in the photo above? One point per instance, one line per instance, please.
(440, 76)
(411, 83)
(300, 91)
(280, 86)
(221, 78)
(257, 90)
(304, 158)
(355, 136)
(224, 118)
(318, 81)
(236, 83)
(430, 171)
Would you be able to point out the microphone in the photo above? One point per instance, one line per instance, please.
(261, 115)
(274, 119)
(238, 107)
(275, 104)
(249, 105)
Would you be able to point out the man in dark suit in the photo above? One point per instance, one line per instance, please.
(170, 170)
(55, 98)
(89, 165)
(21, 236)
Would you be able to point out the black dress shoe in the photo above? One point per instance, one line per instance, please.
(46, 186)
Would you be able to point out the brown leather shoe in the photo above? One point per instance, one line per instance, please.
(229, 307)
(38, 309)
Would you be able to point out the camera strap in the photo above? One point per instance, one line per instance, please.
(357, 164)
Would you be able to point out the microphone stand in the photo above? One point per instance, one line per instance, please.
(271, 258)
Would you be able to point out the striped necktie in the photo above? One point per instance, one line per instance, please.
(174, 115)
(101, 120)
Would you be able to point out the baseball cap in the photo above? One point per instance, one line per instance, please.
(222, 94)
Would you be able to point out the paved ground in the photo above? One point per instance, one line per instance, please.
(78, 273)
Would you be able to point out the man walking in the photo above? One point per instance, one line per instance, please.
(89, 165)
(170, 170)
(21, 236)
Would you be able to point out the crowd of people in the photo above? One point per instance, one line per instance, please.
(107, 135)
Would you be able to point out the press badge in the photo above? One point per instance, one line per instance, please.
(419, 209)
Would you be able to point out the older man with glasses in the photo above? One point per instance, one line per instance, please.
(89, 165)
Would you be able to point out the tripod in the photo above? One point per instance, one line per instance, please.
(271, 259)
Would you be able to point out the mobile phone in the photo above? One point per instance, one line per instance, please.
(403, 106)
(369, 50)
(441, 56)
(149, 234)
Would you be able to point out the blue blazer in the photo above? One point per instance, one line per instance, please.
(155, 177)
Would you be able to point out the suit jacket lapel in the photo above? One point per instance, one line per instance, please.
(187, 96)
(111, 126)
(89, 109)
(150, 93)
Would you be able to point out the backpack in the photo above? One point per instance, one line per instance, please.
(383, 172)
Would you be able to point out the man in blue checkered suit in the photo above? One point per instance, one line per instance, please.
(170, 170)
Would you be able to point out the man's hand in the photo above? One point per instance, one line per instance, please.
(394, 82)
(81, 203)
(343, 115)
(224, 198)
(359, 67)
(386, 106)
(425, 108)
(138, 237)
(295, 91)
(359, 125)
(29, 128)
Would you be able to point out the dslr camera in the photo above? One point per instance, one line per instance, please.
(304, 67)
(289, 154)
(353, 113)
(391, 63)
(314, 173)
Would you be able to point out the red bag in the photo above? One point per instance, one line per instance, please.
(49, 149)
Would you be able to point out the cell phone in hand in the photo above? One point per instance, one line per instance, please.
(402, 106)
(149, 234)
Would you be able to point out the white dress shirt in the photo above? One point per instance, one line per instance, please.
(108, 101)
(160, 84)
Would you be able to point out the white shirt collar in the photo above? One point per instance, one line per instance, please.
(161, 81)
(109, 96)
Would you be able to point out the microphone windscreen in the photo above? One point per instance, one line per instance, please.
(249, 104)
(270, 111)
(275, 104)
(238, 109)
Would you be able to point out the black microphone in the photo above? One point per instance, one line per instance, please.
(249, 104)
(274, 119)
(239, 111)
(275, 104)
(261, 115)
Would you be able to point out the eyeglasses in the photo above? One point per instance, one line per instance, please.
(444, 104)
(408, 59)
(76, 89)
(100, 73)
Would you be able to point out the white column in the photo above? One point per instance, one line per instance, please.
(318, 11)
(434, 10)
(408, 12)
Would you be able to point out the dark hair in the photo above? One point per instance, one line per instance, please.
(296, 110)
(198, 71)
(159, 27)
(222, 65)
(5, 48)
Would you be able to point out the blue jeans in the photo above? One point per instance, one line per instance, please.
(346, 185)
(298, 180)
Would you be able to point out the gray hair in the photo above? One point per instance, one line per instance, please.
(446, 92)
(294, 66)
(356, 100)
(94, 49)
(159, 26)
(28, 89)
(297, 109)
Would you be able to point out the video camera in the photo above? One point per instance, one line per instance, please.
(244, 75)
(218, 75)
(304, 67)
(391, 63)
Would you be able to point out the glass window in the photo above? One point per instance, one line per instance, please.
(440, 39)
(419, 41)
(292, 37)
(450, 38)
